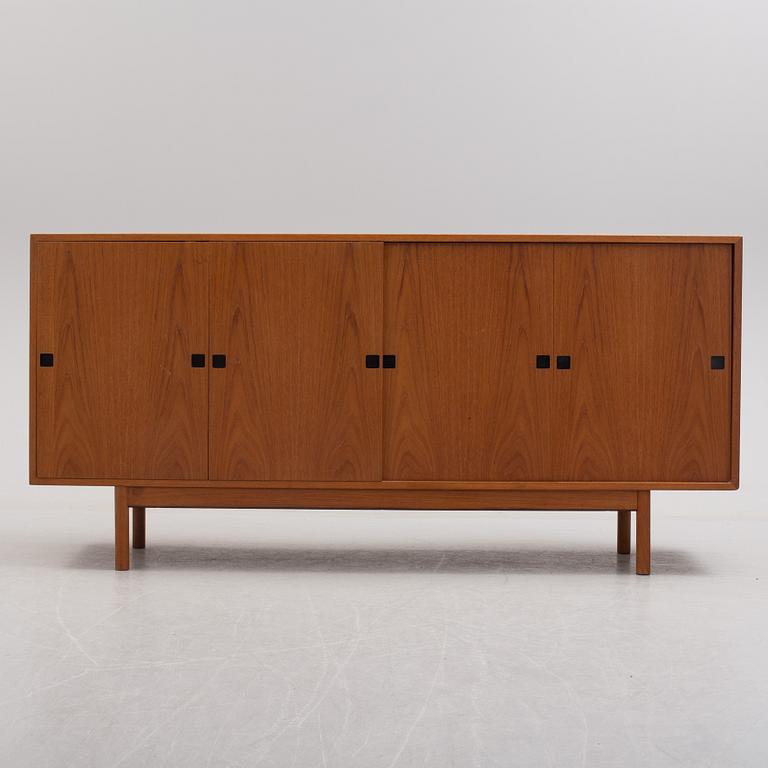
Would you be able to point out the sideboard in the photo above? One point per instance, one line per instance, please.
(464, 372)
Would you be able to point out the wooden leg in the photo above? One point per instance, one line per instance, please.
(122, 547)
(139, 527)
(643, 533)
(624, 531)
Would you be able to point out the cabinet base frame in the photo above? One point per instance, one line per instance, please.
(141, 497)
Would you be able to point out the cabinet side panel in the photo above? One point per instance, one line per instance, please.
(121, 399)
(736, 363)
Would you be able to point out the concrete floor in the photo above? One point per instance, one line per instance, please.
(376, 639)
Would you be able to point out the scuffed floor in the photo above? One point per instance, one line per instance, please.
(379, 639)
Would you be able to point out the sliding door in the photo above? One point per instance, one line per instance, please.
(117, 394)
(647, 394)
(470, 329)
(291, 397)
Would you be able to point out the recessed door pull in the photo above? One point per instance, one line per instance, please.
(46, 359)
(198, 361)
(375, 361)
(717, 362)
(542, 361)
(563, 362)
(219, 361)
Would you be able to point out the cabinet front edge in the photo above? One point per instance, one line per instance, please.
(399, 485)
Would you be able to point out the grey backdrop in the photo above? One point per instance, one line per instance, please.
(647, 116)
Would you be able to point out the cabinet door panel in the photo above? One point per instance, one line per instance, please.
(121, 400)
(296, 401)
(641, 401)
(466, 321)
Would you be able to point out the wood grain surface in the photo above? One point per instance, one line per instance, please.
(426, 485)
(296, 401)
(643, 534)
(121, 400)
(378, 499)
(624, 531)
(139, 520)
(122, 520)
(641, 323)
(466, 401)
(123, 313)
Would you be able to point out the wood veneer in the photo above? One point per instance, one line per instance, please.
(466, 400)
(121, 401)
(315, 308)
(378, 499)
(640, 401)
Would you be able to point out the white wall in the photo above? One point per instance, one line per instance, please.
(647, 116)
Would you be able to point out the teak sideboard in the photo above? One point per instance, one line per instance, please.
(385, 371)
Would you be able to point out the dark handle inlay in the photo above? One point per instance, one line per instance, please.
(219, 361)
(46, 359)
(389, 361)
(563, 362)
(198, 361)
(371, 361)
(542, 361)
(717, 362)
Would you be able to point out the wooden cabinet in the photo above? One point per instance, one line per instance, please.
(477, 372)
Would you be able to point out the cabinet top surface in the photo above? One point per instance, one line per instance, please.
(520, 238)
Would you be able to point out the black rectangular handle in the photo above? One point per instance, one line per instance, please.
(218, 361)
(383, 361)
(563, 362)
(198, 360)
(542, 361)
(46, 359)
